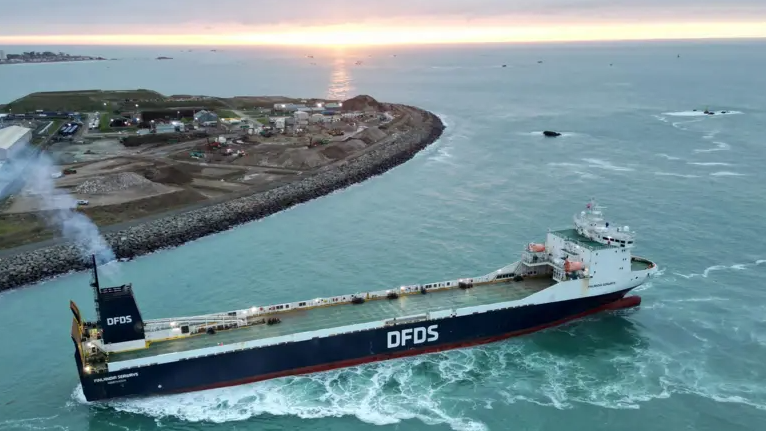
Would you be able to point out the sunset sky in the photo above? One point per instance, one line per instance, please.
(346, 22)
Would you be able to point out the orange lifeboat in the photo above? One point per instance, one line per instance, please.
(572, 266)
(536, 248)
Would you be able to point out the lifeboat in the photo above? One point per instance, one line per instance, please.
(572, 266)
(536, 248)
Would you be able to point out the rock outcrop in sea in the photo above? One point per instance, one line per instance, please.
(175, 230)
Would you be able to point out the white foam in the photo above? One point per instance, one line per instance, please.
(606, 165)
(699, 113)
(665, 156)
(719, 146)
(442, 155)
(673, 174)
(711, 134)
(726, 174)
(733, 267)
(709, 163)
(382, 394)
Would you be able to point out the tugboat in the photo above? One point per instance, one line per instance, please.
(581, 270)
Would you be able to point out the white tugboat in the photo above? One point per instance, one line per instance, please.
(577, 271)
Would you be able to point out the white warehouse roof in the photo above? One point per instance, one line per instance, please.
(11, 134)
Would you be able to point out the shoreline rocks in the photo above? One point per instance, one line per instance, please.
(172, 231)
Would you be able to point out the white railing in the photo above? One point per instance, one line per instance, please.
(241, 316)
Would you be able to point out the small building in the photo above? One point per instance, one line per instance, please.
(316, 118)
(13, 139)
(206, 117)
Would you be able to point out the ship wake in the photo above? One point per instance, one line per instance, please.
(603, 360)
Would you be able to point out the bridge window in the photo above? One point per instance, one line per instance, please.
(301, 304)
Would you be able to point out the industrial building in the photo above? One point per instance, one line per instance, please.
(12, 140)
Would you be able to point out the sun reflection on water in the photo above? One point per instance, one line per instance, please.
(340, 80)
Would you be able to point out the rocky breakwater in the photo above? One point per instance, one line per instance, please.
(423, 128)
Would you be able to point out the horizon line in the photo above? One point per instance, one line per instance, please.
(339, 36)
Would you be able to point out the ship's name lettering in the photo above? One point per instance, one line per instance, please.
(602, 284)
(412, 336)
(118, 377)
(118, 320)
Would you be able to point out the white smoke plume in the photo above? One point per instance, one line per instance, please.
(33, 173)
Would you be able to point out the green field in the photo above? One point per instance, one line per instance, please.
(225, 113)
(99, 100)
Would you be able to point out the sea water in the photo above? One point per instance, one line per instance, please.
(689, 184)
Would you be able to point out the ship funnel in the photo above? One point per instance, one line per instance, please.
(116, 310)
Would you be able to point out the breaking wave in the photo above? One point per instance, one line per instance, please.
(606, 165)
(733, 267)
(665, 156)
(726, 174)
(719, 146)
(709, 163)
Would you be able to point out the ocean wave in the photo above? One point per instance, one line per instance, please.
(606, 165)
(719, 146)
(709, 163)
(726, 174)
(39, 423)
(665, 156)
(673, 174)
(734, 267)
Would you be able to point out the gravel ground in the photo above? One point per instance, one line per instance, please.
(112, 183)
(32, 266)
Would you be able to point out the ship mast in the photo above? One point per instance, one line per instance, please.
(94, 284)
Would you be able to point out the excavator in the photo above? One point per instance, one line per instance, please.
(318, 142)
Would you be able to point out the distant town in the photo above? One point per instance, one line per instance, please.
(43, 57)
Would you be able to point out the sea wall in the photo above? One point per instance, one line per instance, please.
(32, 266)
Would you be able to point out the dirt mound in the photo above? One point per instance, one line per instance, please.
(362, 103)
(112, 183)
(371, 135)
(334, 152)
(168, 175)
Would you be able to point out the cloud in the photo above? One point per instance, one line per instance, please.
(54, 17)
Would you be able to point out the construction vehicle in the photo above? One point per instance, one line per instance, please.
(318, 142)
(267, 132)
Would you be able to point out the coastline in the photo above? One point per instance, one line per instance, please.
(9, 63)
(176, 228)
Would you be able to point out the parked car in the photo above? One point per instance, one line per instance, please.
(82, 202)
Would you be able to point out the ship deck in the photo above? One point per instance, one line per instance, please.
(348, 314)
(639, 264)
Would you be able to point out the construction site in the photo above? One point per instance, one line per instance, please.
(117, 179)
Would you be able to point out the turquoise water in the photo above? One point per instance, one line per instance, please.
(691, 186)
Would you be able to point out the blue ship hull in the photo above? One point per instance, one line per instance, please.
(344, 350)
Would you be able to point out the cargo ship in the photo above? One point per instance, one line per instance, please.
(577, 271)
